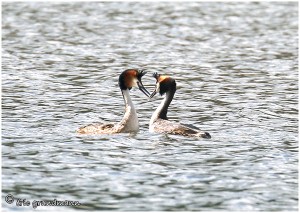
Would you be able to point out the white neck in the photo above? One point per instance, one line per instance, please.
(127, 98)
(162, 109)
(157, 111)
(130, 119)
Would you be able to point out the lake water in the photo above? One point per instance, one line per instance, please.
(236, 67)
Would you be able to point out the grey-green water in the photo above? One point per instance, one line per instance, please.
(236, 66)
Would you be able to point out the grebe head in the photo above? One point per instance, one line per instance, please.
(164, 84)
(132, 78)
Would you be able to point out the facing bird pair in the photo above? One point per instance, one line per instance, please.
(159, 121)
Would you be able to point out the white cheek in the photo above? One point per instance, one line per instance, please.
(157, 88)
(134, 83)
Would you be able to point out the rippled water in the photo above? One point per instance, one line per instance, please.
(236, 66)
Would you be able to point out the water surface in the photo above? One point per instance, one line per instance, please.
(236, 67)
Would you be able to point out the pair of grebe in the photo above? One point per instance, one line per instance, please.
(159, 121)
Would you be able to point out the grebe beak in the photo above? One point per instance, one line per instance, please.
(142, 88)
(153, 93)
(157, 88)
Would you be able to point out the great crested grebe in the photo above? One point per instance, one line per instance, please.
(159, 121)
(128, 79)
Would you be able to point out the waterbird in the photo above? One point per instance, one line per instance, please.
(127, 79)
(159, 121)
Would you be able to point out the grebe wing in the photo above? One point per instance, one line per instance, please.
(190, 126)
(95, 127)
(172, 127)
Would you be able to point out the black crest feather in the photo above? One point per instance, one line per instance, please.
(156, 76)
(141, 73)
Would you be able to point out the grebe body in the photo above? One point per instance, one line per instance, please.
(128, 79)
(159, 121)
